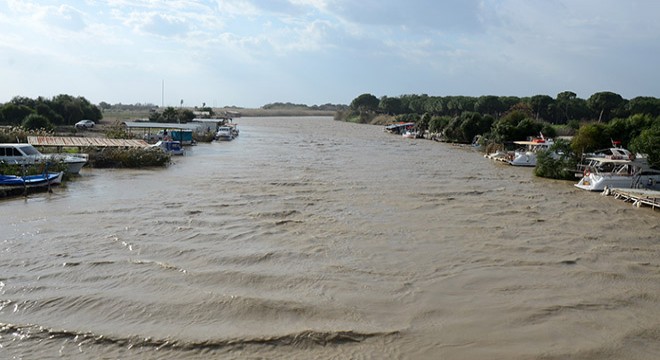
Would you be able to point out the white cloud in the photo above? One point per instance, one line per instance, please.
(422, 46)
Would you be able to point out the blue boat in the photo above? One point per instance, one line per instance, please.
(13, 182)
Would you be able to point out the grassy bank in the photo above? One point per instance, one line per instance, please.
(111, 116)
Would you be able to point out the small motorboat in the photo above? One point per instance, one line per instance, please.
(605, 173)
(224, 133)
(14, 182)
(26, 154)
(169, 146)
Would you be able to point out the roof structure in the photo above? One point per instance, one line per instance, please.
(155, 125)
(84, 141)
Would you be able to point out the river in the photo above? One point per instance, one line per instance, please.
(310, 238)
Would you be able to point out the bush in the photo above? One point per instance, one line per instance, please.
(382, 120)
(19, 134)
(205, 137)
(128, 158)
(516, 125)
(118, 131)
(648, 142)
(36, 121)
(590, 137)
(559, 162)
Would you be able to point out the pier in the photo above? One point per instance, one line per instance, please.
(638, 197)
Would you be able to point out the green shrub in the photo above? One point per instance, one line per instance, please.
(128, 158)
(118, 131)
(36, 122)
(205, 137)
(559, 162)
(18, 134)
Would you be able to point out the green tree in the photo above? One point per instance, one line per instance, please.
(104, 105)
(644, 105)
(170, 115)
(14, 114)
(186, 115)
(528, 127)
(464, 128)
(23, 100)
(568, 107)
(648, 142)
(434, 105)
(43, 109)
(415, 103)
(73, 109)
(457, 104)
(36, 121)
(390, 105)
(541, 105)
(423, 124)
(510, 101)
(604, 105)
(504, 129)
(556, 163)
(155, 117)
(439, 123)
(590, 137)
(365, 103)
(489, 104)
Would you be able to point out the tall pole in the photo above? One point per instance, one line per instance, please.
(162, 95)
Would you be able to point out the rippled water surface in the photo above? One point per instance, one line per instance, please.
(310, 238)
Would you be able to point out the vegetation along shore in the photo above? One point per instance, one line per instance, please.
(497, 121)
(493, 122)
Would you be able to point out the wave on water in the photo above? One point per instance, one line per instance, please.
(303, 339)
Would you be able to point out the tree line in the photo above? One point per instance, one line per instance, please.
(594, 122)
(291, 106)
(46, 113)
(566, 106)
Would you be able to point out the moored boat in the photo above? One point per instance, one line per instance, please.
(12, 184)
(527, 156)
(224, 133)
(605, 173)
(26, 154)
(169, 146)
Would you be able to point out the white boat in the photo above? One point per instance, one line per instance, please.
(26, 154)
(399, 128)
(170, 147)
(234, 129)
(501, 155)
(224, 133)
(410, 134)
(527, 156)
(615, 153)
(605, 173)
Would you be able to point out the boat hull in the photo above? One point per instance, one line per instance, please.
(595, 182)
(26, 154)
(12, 182)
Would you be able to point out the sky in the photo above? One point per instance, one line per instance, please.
(249, 53)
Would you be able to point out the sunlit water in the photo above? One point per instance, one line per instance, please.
(311, 238)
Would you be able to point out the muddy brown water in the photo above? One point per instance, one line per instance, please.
(310, 238)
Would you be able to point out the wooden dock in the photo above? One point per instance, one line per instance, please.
(60, 141)
(638, 197)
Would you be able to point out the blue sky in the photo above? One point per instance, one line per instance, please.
(250, 53)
